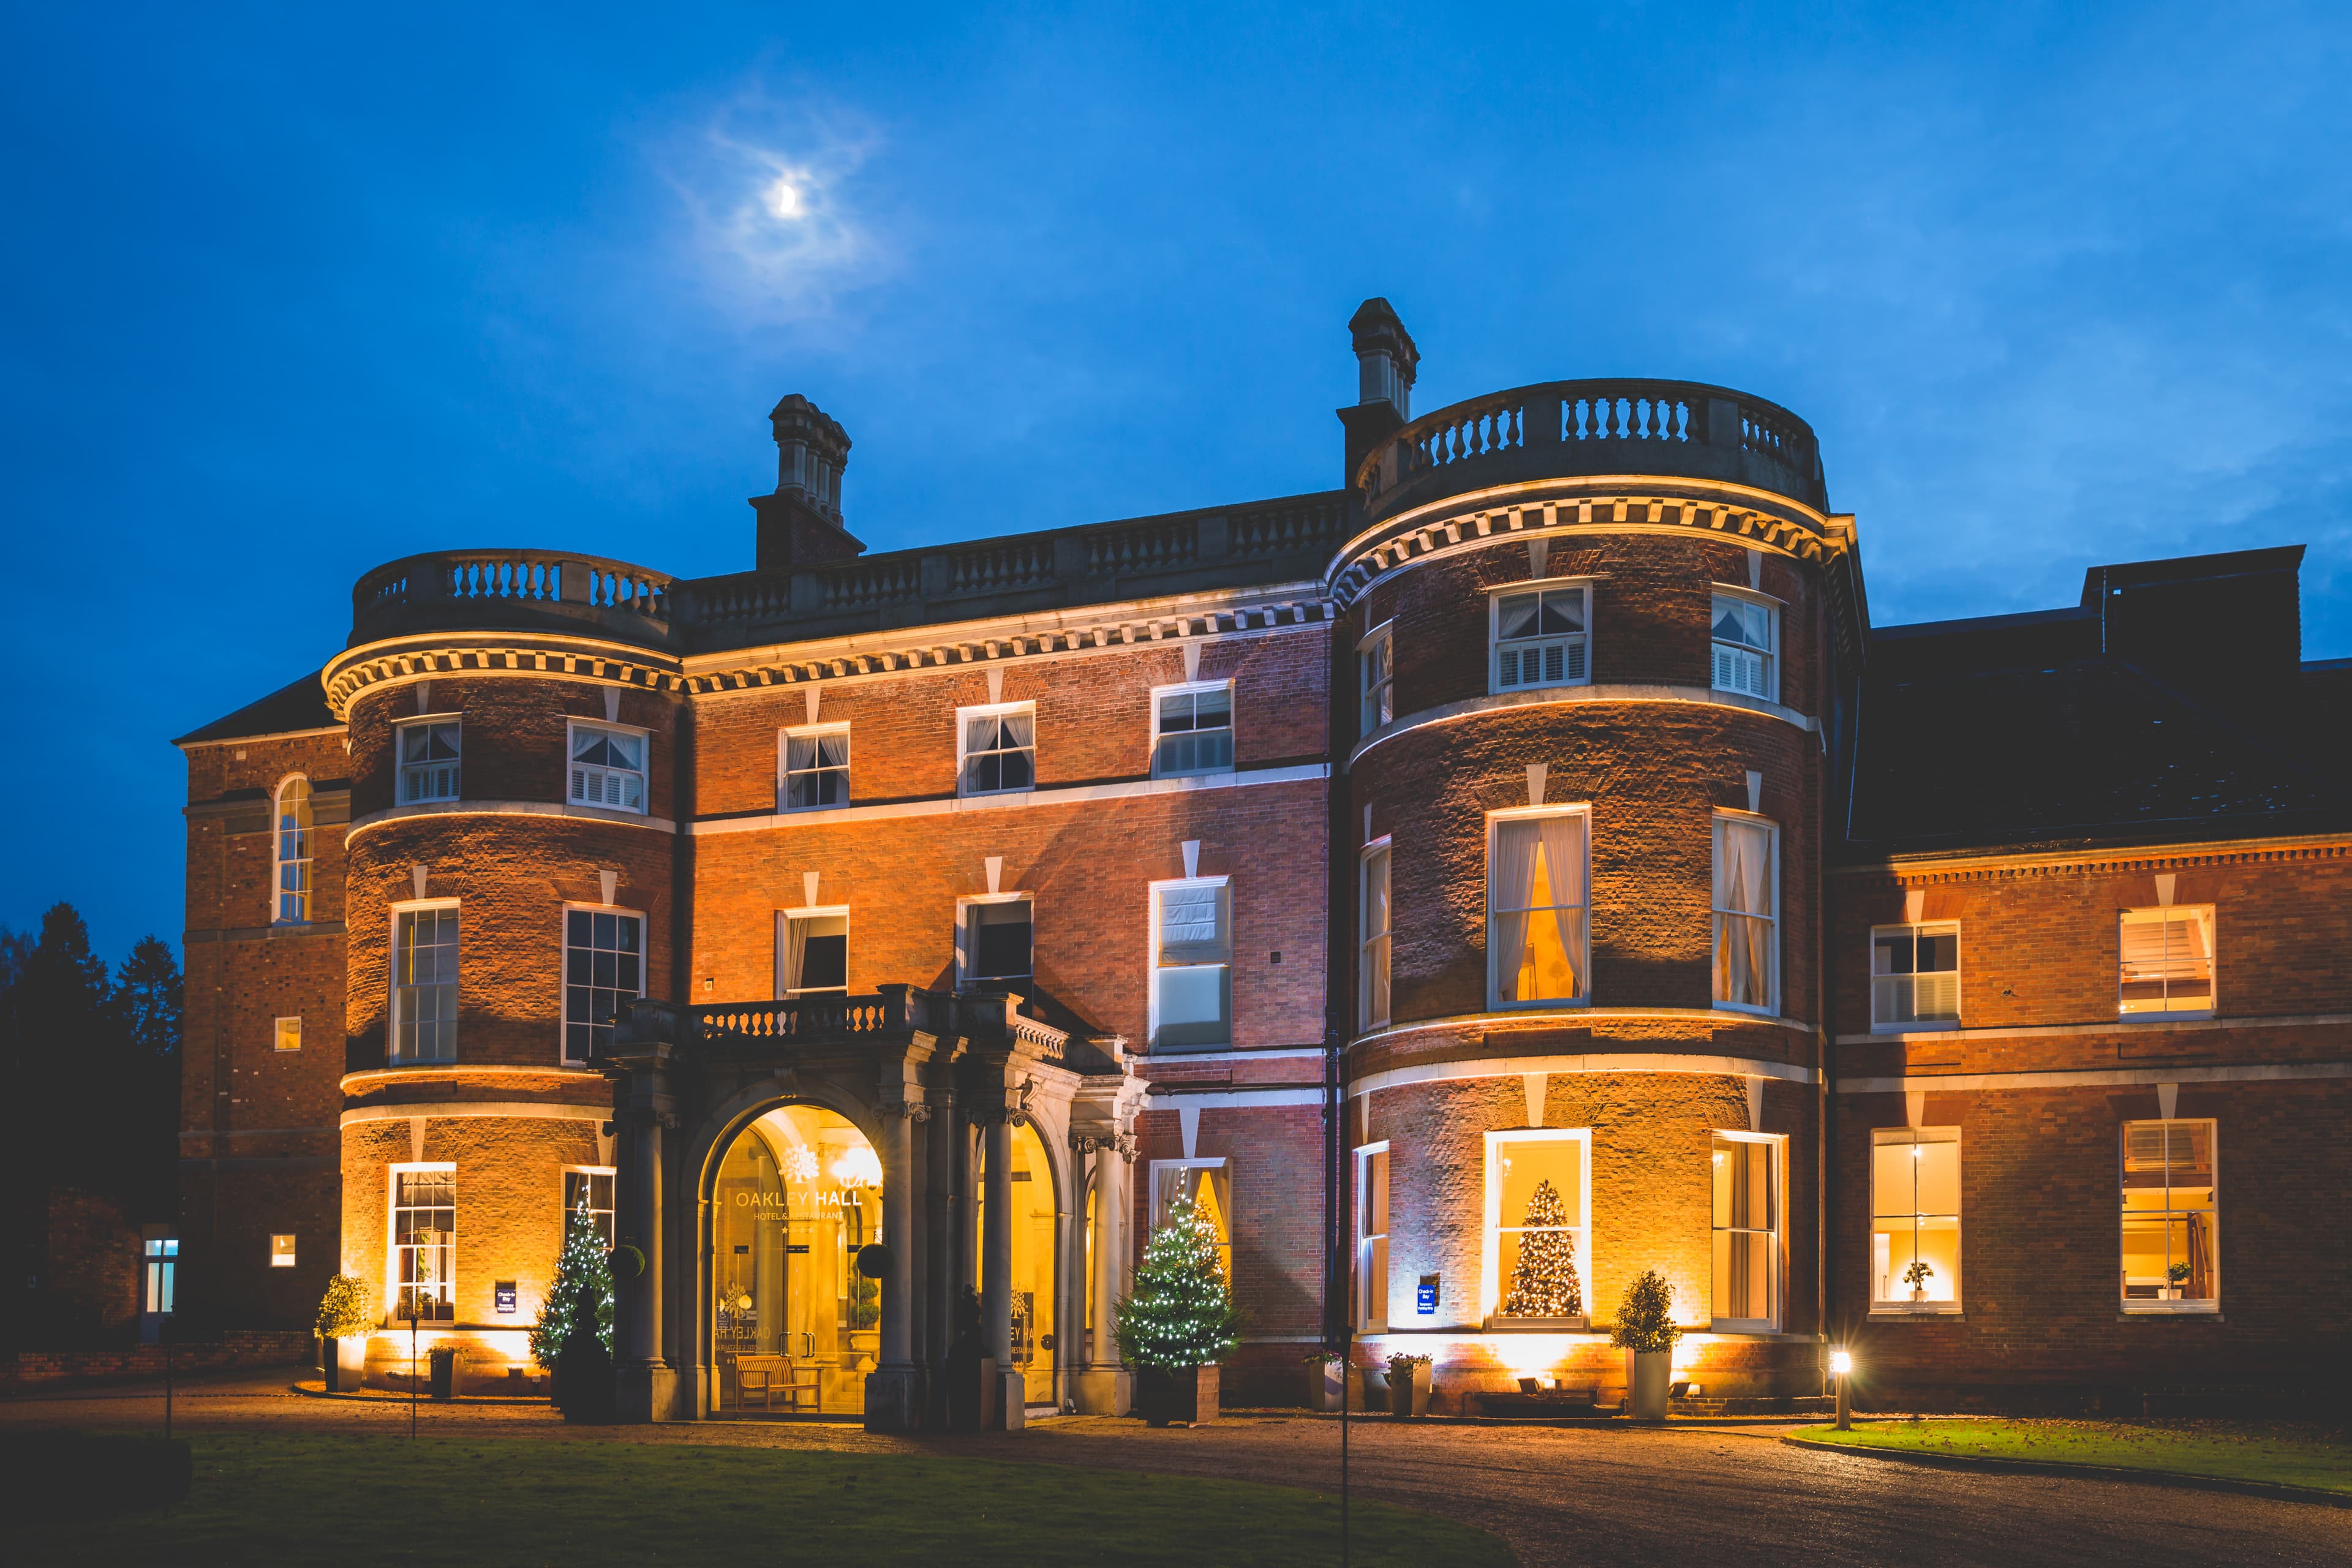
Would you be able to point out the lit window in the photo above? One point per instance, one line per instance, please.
(2171, 1206)
(2167, 960)
(1192, 967)
(281, 1252)
(161, 1267)
(603, 972)
(289, 1035)
(816, 768)
(1000, 750)
(1915, 976)
(997, 944)
(1372, 1239)
(1208, 1185)
(1374, 912)
(815, 953)
(428, 760)
(1536, 905)
(1539, 1224)
(608, 767)
(425, 1244)
(1375, 678)
(1747, 1177)
(590, 1191)
(293, 851)
(1538, 637)
(424, 985)
(1914, 1219)
(1192, 731)
(1746, 909)
(1743, 633)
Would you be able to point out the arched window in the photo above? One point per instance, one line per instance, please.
(294, 850)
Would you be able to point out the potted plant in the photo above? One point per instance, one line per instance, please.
(1917, 1278)
(1646, 1331)
(344, 1324)
(1179, 1321)
(1326, 1380)
(2177, 1279)
(1408, 1385)
(574, 1336)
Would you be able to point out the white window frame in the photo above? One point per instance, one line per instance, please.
(1771, 1007)
(564, 972)
(2210, 916)
(784, 917)
(563, 1219)
(391, 1286)
(1881, 1025)
(1375, 698)
(644, 776)
(1495, 598)
(2169, 1308)
(279, 1033)
(400, 768)
(964, 716)
(1915, 1138)
(786, 771)
(282, 1257)
(1490, 1250)
(392, 993)
(280, 862)
(1193, 689)
(1382, 849)
(1771, 656)
(1371, 1207)
(966, 953)
(1178, 884)
(1495, 1001)
(1777, 1233)
(1214, 1165)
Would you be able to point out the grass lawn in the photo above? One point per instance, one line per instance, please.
(353, 1502)
(2288, 1454)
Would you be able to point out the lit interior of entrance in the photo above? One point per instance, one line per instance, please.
(1033, 1261)
(795, 1326)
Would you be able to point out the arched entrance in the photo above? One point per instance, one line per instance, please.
(1036, 1233)
(794, 1327)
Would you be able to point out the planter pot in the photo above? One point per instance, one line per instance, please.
(1918, 1293)
(344, 1363)
(1326, 1386)
(1647, 1396)
(1185, 1398)
(1409, 1396)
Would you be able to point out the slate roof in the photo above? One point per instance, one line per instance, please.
(299, 704)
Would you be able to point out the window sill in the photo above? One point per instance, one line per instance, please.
(1502, 1325)
(1742, 1326)
(1921, 1027)
(1746, 1010)
(1538, 1005)
(1897, 1311)
(2171, 1310)
(2168, 1014)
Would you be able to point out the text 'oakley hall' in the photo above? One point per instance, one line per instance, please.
(1528, 844)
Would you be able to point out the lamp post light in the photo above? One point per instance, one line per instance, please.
(1841, 1363)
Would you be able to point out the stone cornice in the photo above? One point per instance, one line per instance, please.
(1947, 870)
(439, 655)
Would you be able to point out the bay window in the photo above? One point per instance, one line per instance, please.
(429, 759)
(1537, 1256)
(1372, 1239)
(2171, 1209)
(1744, 632)
(1376, 678)
(1915, 1223)
(1191, 962)
(425, 984)
(424, 1243)
(1746, 1175)
(1538, 634)
(1747, 912)
(588, 1191)
(608, 767)
(603, 972)
(1372, 914)
(1536, 906)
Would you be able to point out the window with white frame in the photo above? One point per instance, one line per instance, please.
(1538, 633)
(816, 768)
(428, 759)
(2171, 1212)
(997, 749)
(2167, 960)
(293, 851)
(1373, 915)
(1372, 1239)
(608, 767)
(1747, 1181)
(603, 972)
(588, 1191)
(1745, 632)
(1747, 912)
(1536, 906)
(1208, 1184)
(1192, 730)
(1191, 962)
(999, 944)
(288, 1035)
(1914, 1219)
(1376, 678)
(1538, 1260)
(813, 953)
(1915, 976)
(281, 1251)
(424, 1243)
(425, 984)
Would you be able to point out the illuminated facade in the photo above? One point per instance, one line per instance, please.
(1520, 868)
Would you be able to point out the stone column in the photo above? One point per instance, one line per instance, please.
(1105, 1386)
(891, 1400)
(646, 1382)
(942, 1249)
(996, 1269)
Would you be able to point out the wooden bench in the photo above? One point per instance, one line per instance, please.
(772, 1377)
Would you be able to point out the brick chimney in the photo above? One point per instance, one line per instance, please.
(800, 525)
(1386, 364)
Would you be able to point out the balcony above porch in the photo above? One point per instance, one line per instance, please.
(816, 1026)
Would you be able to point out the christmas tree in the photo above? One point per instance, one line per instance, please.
(1545, 1285)
(582, 1291)
(1182, 1312)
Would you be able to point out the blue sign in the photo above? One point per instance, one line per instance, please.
(506, 1295)
(1425, 1298)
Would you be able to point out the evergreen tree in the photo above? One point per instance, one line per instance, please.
(582, 1293)
(1544, 1284)
(1182, 1312)
(146, 1006)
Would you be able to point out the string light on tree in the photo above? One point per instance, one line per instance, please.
(1544, 1284)
(583, 1289)
(1180, 1313)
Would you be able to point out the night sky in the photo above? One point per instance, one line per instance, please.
(290, 292)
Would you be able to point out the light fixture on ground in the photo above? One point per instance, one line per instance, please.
(1841, 1363)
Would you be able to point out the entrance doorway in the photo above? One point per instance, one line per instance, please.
(1033, 1225)
(796, 1328)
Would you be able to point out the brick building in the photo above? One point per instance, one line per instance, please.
(1518, 867)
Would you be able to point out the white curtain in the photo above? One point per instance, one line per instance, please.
(1376, 931)
(796, 935)
(1510, 888)
(1563, 848)
(1744, 896)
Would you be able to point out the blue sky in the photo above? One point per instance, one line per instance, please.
(294, 291)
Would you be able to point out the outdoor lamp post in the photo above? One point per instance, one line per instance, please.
(1841, 1363)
